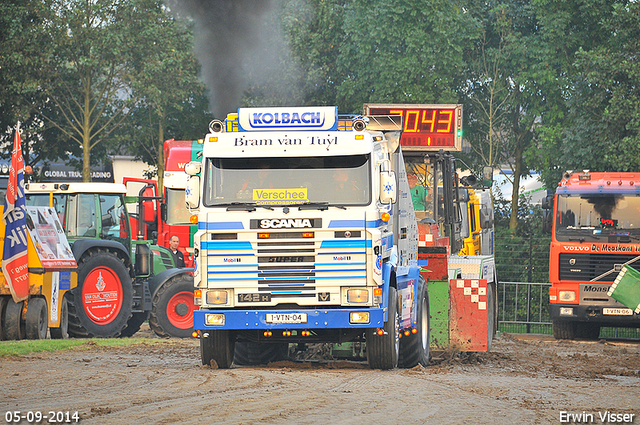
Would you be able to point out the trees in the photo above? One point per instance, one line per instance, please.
(85, 73)
(404, 51)
(163, 80)
(74, 70)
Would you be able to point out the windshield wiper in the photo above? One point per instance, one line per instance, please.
(245, 206)
(322, 206)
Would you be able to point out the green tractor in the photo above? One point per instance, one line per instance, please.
(123, 278)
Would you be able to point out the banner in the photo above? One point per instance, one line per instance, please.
(15, 265)
(49, 239)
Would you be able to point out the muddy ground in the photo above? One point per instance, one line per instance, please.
(524, 380)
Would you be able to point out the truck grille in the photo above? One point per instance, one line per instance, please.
(294, 267)
(585, 267)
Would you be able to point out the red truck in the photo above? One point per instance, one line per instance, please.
(595, 231)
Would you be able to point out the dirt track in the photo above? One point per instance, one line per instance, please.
(524, 380)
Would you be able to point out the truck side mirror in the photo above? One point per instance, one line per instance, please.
(388, 187)
(192, 192)
(547, 222)
(193, 168)
(547, 203)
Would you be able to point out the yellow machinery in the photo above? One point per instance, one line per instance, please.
(46, 306)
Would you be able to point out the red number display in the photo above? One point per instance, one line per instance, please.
(425, 127)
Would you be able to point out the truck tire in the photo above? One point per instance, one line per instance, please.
(101, 304)
(415, 349)
(382, 350)
(134, 323)
(589, 331)
(249, 353)
(13, 324)
(37, 320)
(217, 348)
(564, 329)
(62, 332)
(172, 308)
(3, 304)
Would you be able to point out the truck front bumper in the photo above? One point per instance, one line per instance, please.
(340, 318)
(592, 314)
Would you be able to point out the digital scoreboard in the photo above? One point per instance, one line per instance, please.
(425, 127)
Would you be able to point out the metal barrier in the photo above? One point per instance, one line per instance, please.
(523, 307)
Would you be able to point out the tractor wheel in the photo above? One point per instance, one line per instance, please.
(216, 348)
(563, 329)
(101, 304)
(13, 324)
(415, 349)
(37, 321)
(249, 353)
(3, 304)
(173, 306)
(62, 332)
(382, 350)
(134, 323)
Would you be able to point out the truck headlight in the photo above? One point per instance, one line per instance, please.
(214, 319)
(567, 295)
(358, 296)
(217, 297)
(566, 311)
(359, 317)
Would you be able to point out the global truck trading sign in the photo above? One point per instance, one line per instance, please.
(425, 127)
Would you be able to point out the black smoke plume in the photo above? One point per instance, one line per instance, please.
(226, 33)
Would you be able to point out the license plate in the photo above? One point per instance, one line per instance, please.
(617, 311)
(286, 317)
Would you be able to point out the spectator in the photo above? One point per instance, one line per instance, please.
(178, 257)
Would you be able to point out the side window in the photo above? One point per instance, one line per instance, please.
(111, 214)
(81, 217)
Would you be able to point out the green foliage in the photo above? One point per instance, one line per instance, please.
(163, 82)
(404, 51)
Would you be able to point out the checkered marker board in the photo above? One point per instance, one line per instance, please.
(468, 314)
(626, 288)
(425, 240)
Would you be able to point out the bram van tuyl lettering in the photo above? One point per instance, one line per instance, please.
(312, 141)
(605, 417)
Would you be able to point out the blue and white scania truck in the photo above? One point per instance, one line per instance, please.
(306, 234)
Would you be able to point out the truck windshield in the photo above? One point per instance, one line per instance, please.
(335, 180)
(594, 217)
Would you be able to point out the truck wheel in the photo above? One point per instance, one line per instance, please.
(3, 304)
(382, 350)
(588, 331)
(37, 321)
(563, 329)
(415, 349)
(249, 353)
(101, 304)
(134, 323)
(172, 308)
(13, 324)
(218, 346)
(63, 331)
